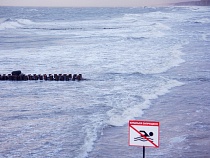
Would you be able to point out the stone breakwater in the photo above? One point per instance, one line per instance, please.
(18, 76)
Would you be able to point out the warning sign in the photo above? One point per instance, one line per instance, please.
(144, 133)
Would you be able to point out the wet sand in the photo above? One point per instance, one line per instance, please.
(183, 114)
(184, 127)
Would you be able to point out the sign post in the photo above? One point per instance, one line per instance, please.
(144, 133)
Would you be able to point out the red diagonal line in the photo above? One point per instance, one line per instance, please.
(142, 135)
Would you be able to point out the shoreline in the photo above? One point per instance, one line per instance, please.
(184, 122)
(184, 126)
(183, 114)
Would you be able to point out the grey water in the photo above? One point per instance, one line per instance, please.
(131, 58)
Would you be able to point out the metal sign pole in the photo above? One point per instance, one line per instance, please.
(143, 151)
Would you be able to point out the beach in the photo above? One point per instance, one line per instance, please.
(144, 63)
(183, 114)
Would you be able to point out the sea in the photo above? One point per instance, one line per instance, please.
(140, 63)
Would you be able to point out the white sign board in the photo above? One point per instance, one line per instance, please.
(144, 133)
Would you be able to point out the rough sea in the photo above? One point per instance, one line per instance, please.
(139, 64)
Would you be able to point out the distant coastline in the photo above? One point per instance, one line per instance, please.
(194, 3)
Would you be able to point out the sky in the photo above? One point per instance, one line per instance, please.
(88, 3)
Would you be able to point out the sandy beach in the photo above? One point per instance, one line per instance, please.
(183, 114)
(144, 63)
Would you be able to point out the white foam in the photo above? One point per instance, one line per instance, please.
(14, 23)
(205, 37)
(178, 139)
(202, 20)
(91, 133)
(131, 111)
(9, 25)
(159, 60)
(148, 28)
(25, 21)
(198, 8)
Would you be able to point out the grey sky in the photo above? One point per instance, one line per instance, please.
(88, 3)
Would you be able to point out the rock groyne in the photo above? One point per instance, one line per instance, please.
(19, 76)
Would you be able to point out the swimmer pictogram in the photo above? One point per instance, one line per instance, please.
(145, 134)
